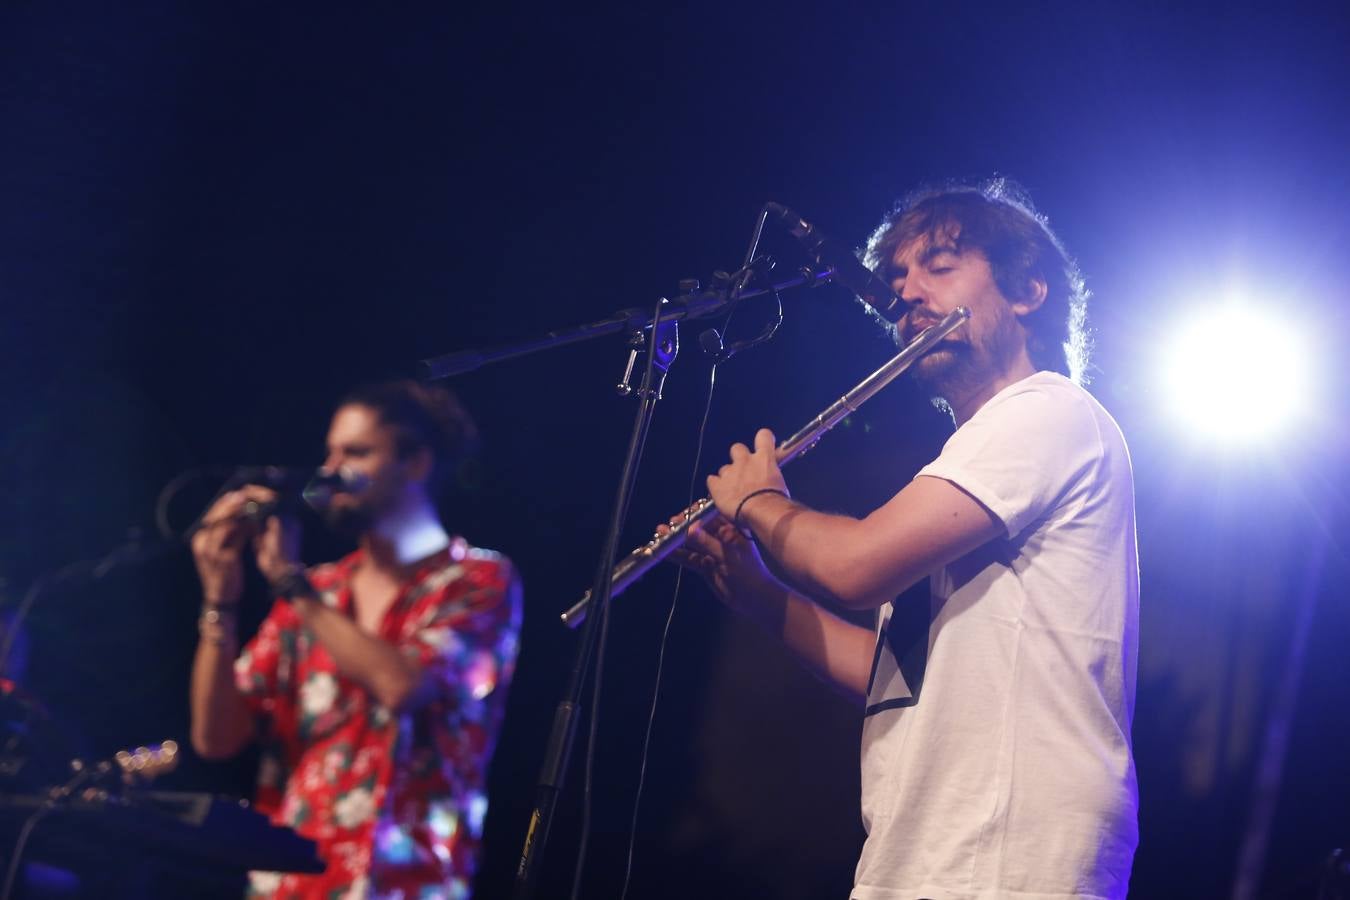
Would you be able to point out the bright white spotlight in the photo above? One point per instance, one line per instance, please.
(1233, 373)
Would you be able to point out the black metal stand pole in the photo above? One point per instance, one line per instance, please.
(663, 347)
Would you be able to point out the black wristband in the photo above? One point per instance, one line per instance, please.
(736, 519)
(294, 584)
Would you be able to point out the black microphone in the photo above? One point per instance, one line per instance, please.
(289, 479)
(846, 268)
(315, 487)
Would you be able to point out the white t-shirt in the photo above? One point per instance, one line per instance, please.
(996, 755)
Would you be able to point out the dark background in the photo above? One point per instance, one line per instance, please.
(215, 218)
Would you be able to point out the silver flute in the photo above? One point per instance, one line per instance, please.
(643, 559)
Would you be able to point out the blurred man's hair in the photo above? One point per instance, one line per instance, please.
(423, 417)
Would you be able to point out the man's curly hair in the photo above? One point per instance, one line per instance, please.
(997, 219)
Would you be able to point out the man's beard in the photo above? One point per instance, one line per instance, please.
(942, 365)
(348, 522)
(955, 368)
(945, 370)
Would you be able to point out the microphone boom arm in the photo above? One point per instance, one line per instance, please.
(645, 558)
(683, 307)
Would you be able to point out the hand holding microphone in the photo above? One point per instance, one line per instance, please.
(288, 487)
(276, 548)
(219, 539)
(252, 510)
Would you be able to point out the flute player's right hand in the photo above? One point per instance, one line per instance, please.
(728, 561)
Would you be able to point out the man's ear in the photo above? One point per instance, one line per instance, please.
(1032, 299)
(419, 464)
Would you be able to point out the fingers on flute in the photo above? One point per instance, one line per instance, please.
(697, 540)
(681, 556)
(727, 533)
(692, 559)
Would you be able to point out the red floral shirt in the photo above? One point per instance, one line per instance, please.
(394, 801)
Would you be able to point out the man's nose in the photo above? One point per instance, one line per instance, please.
(910, 290)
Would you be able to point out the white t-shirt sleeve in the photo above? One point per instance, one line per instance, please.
(1024, 452)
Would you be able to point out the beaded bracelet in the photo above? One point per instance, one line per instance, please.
(216, 625)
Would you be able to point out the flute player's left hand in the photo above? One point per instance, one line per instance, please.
(748, 471)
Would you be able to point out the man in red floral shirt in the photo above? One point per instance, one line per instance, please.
(377, 682)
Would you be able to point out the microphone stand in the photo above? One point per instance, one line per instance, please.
(133, 551)
(662, 349)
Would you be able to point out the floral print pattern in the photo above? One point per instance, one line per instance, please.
(394, 801)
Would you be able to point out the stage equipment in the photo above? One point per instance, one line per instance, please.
(646, 557)
(98, 821)
(118, 843)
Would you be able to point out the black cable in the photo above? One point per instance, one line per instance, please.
(232, 481)
(176, 484)
(15, 624)
(133, 551)
(665, 636)
(24, 833)
(84, 571)
(55, 795)
(648, 397)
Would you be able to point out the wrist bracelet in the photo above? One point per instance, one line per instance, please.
(294, 585)
(216, 625)
(736, 519)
